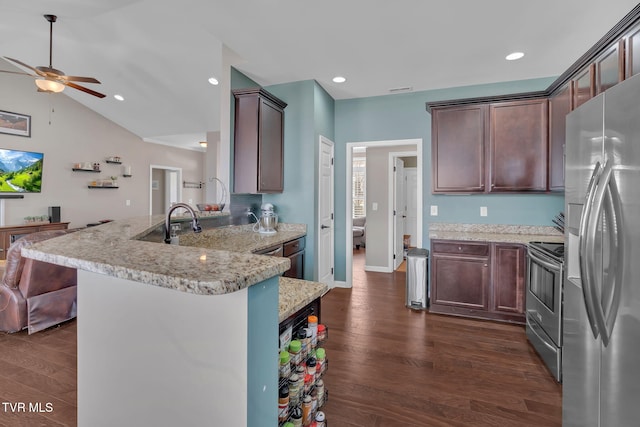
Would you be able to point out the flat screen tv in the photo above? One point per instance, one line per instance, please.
(20, 171)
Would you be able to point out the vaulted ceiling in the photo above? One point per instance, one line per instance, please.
(158, 54)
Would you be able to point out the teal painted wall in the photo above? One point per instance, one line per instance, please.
(297, 203)
(403, 116)
(262, 354)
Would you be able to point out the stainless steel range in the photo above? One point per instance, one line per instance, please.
(545, 263)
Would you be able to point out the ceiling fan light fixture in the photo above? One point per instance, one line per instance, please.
(51, 86)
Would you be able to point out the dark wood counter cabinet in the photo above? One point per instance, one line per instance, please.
(9, 234)
(478, 279)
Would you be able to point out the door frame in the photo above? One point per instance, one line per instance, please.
(324, 140)
(392, 199)
(171, 168)
(349, 187)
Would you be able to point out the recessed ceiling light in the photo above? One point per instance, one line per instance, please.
(339, 79)
(513, 56)
(213, 81)
(119, 97)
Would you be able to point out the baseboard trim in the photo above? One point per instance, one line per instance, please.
(376, 269)
(340, 284)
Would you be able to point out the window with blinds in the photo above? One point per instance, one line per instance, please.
(359, 187)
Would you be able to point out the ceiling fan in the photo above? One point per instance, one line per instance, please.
(48, 79)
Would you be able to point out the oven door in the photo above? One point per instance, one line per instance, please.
(544, 293)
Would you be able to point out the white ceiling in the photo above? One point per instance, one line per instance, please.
(159, 53)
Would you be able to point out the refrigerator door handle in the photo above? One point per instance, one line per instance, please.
(601, 190)
(613, 208)
(585, 272)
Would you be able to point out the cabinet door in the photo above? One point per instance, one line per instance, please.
(609, 68)
(583, 86)
(458, 135)
(270, 157)
(632, 52)
(296, 270)
(518, 145)
(559, 107)
(460, 281)
(508, 278)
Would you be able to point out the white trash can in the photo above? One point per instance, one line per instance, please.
(417, 279)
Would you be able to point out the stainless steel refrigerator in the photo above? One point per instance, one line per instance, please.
(601, 353)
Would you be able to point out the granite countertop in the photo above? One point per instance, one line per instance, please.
(522, 234)
(242, 238)
(295, 294)
(112, 249)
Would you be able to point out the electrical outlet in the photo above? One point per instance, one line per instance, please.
(127, 203)
(434, 210)
(374, 206)
(190, 201)
(483, 211)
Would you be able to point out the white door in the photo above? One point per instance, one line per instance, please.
(411, 204)
(398, 211)
(325, 213)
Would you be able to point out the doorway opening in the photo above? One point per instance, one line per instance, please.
(165, 188)
(378, 204)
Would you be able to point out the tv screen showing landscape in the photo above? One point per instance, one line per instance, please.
(20, 171)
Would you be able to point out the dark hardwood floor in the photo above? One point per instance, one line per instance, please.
(391, 366)
(39, 371)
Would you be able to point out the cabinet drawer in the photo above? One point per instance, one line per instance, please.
(294, 246)
(460, 248)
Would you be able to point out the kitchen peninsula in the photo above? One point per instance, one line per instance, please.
(170, 334)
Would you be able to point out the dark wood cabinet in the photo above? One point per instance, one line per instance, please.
(609, 67)
(483, 280)
(258, 142)
(457, 149)
(10, 234)
(294, 250)
(518, 145)
(583, 86)
(507, 277)
(459, 278)
(632, 52)
(559, 107)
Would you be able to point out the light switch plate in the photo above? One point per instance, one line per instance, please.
(434, 210)
(374, 206)
(483, 211)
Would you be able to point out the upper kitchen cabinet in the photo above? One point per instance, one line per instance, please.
(258, 142)
(518, 145)
(559, 107)
(457, 149)
(609, 67)
(632, 51)
(583, 86)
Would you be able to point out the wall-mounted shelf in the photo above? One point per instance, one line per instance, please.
(11, 196)
(85, 170)
(187, 184)
(127, 176)
(98, 186)
(115, 162)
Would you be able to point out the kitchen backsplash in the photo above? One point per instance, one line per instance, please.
(493, 228)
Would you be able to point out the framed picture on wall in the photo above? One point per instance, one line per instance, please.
(15, 124)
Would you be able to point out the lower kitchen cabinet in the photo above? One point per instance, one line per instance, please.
(294, 250)
(478, 279)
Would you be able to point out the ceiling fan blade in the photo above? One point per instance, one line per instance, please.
(84, 89)
(17, 72)
(38, 72)
(81, 79)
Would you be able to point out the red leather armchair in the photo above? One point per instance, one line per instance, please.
(35, 294)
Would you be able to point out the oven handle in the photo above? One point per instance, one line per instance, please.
(553, 267)
(585, 272)
(542, 340)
